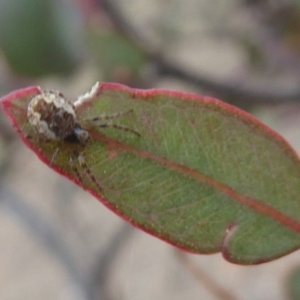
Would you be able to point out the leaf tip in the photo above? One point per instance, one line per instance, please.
(9, 99)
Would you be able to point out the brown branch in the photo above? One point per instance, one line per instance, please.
(222, 89)
(270, 40)
(203, 278)
(99, 277)
(49, 235)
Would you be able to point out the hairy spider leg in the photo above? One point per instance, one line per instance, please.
(40, 140)
(75, 170)
(27, 136)
(20, 130)
(88, 171)
(111, 125)
(112, 116)
(31, 138)
(54, 156)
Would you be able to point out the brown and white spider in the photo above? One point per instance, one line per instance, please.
(54, 118)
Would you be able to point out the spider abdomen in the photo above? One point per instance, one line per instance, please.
(52, 115)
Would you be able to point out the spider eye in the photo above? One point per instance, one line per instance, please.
(51, 115)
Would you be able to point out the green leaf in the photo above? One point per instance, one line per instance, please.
(203, 175)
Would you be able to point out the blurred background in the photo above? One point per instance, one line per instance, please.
(58, 242)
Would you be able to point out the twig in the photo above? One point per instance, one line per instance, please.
(48, 235)
(167, 68)
(203, 278)
(100, 275)
(269, 40)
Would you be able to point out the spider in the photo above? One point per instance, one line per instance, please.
(54, 118)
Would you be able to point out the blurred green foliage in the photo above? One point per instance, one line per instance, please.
(40, 37)
(119, 59)
(49, 37)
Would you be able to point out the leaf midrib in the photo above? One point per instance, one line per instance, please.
(251, 203)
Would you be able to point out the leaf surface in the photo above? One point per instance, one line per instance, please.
(203, 175)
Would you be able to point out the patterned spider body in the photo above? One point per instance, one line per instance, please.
(54, 118)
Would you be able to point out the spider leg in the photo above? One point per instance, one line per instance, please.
(20, 131)
(40, 140)
(54, 156)
(110, 125)
(89, 173)
(30, 137)
(112, 116)
(26, 136)
(75, 170)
